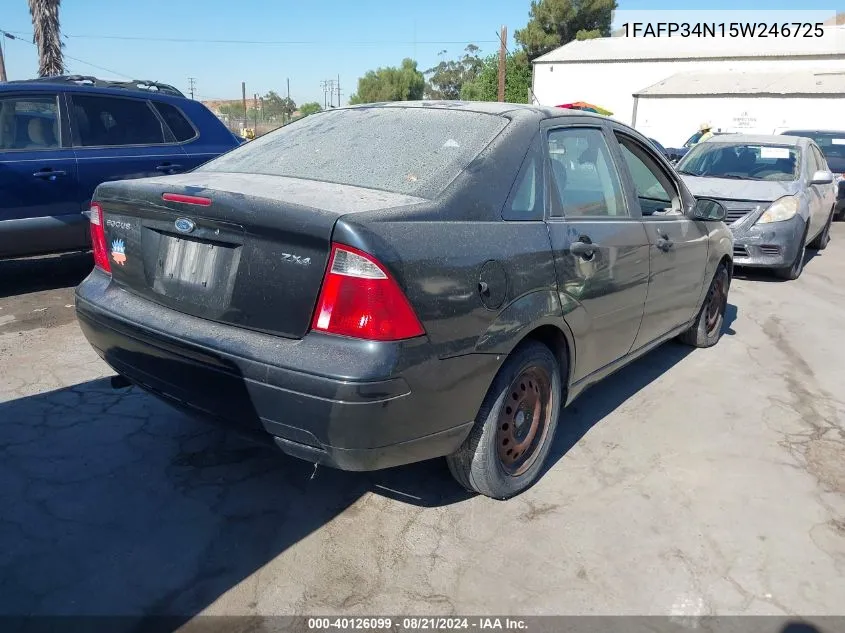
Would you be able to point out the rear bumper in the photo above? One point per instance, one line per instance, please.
(345, 403)
(773, 245)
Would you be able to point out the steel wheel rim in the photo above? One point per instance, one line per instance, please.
(715, 304)
(523, 421)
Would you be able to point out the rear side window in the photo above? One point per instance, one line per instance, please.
(176, 121)
(526, 199)
(414, 151)
(29, 123)
(114, 121)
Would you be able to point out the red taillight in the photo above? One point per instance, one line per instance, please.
(359, 298)
(180, 197)
(98, 237)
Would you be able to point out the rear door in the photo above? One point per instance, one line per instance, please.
(599, 244)
(117, 138)
(678, 246)
(39, 209)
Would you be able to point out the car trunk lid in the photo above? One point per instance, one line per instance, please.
(250, 251)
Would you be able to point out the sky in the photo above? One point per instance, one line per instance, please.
(279, 40)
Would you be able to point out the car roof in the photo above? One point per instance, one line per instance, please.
(759, 139)
(485, 107)
(81, 83)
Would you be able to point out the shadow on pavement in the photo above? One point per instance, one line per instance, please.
(731, 314)
(21, 276)
(116, 504)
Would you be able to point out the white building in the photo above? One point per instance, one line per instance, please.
(747, 102)
(609, 71)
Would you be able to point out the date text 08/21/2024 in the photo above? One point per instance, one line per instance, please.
(724, 29)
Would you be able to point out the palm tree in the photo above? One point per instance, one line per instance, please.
(45, 24)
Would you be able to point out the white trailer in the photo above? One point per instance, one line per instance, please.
(747, 102)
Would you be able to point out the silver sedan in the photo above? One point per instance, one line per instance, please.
(779, 192)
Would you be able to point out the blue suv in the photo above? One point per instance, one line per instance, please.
(60, 137)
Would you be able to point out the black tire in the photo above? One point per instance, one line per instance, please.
(822, 239)
(481, 464)
(794, 270)
(706, 330)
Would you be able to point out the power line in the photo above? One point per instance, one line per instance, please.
(281, 42)
(11, 36)
(137, 38)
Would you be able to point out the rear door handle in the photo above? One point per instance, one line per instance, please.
(583, 248)
(663, 241)
(49, 174)
(168, 167)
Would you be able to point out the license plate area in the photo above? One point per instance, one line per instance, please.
(192, 271)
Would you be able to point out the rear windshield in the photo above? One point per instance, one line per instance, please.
(742, 161)
(413, 151)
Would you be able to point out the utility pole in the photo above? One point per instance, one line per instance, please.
(503, 51)
(329, 88)
(243, 100)
(285, 114)
(255, 111)
(192, 81)
(338, 91)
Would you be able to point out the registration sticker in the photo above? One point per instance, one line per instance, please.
(774, 152)
(118, 252)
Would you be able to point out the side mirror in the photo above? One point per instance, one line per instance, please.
(821, 177)
(709, 210)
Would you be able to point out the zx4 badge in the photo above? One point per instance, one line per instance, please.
(296, 259)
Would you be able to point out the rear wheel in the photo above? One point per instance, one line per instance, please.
(823, 238)
(514, 429)
(706, 330)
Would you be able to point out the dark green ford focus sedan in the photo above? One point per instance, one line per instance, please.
(378, 285)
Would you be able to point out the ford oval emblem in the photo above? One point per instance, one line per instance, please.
(184, 225)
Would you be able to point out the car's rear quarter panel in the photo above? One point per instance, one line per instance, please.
(438, 250)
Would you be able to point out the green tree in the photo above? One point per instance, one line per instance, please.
(276, 107)
(45, 25)
(485, 86)
(405, 83)
(312, 107)
(273, 105)
(234, 109)
(447, 78)
(553, 23)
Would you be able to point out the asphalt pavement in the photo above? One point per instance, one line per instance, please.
(690, 483)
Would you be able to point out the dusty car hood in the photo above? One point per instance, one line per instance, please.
(763, 190)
